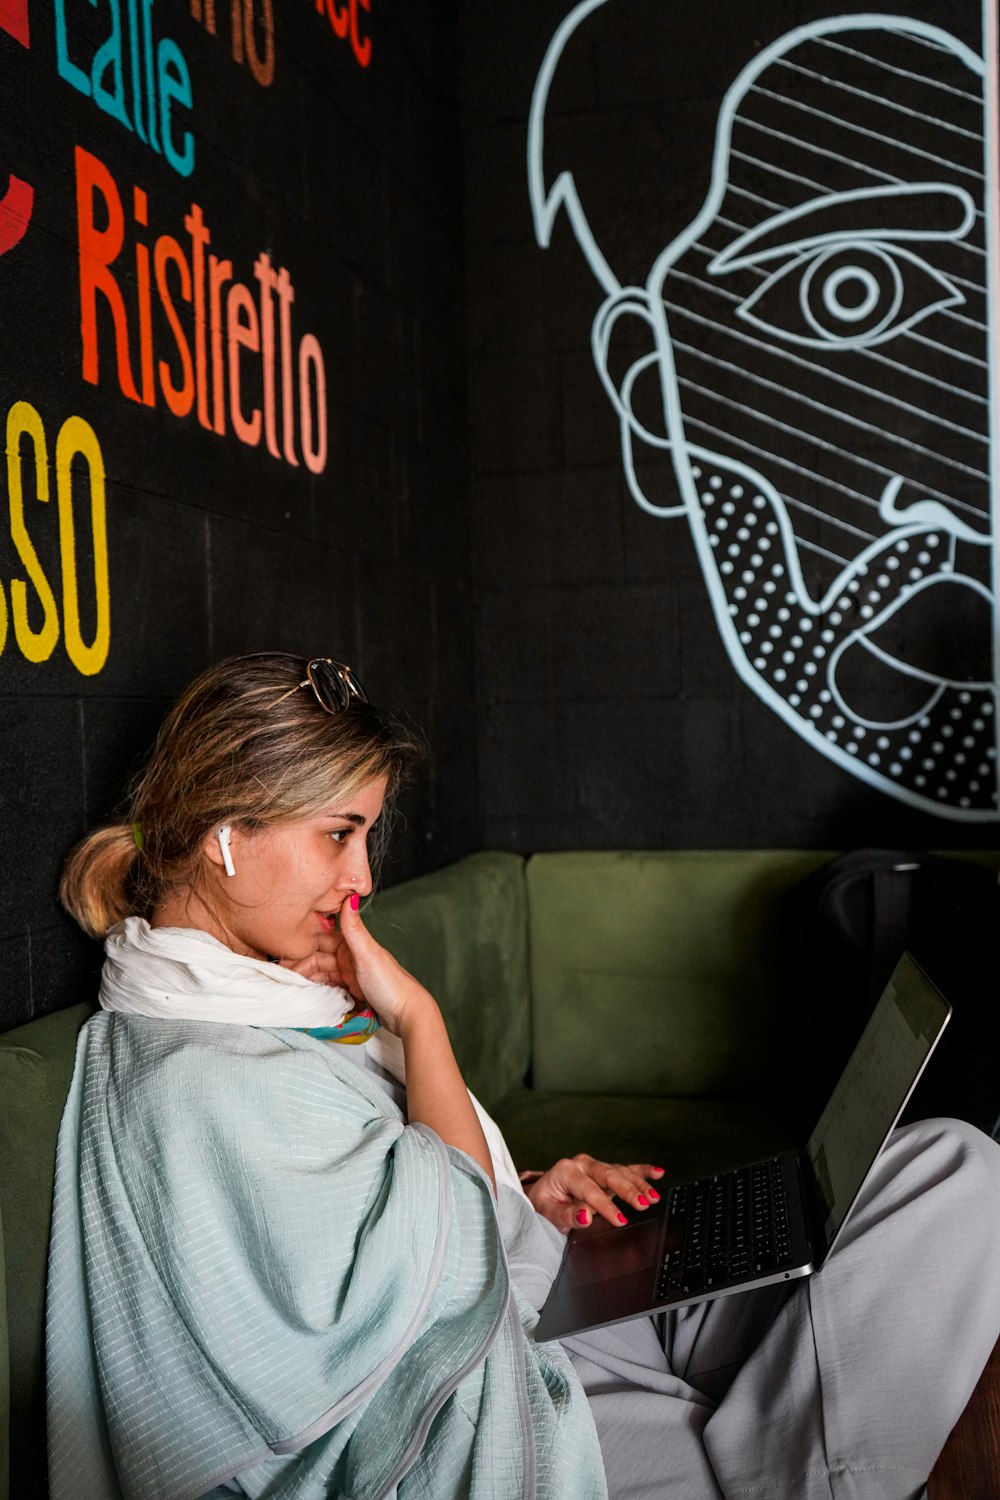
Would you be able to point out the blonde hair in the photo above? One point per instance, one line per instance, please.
(233, 749)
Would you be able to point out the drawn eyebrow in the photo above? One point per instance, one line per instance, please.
(910, 211)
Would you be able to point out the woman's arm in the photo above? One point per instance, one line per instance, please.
(435, 1089)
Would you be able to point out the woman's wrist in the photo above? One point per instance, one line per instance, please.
(420, 1013)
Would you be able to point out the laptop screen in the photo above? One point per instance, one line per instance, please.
(873, 1089)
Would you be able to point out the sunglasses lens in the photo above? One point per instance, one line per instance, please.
(334, 685)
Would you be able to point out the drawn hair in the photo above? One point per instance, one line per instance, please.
(230, 752)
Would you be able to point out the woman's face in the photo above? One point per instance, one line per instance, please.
(292, 878)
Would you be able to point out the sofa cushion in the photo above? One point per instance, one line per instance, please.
(36, 1065)
(655, 972)
(463, 932)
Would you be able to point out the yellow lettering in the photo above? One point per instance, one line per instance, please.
(36, 645)
(77, 438)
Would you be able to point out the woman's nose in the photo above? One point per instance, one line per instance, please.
(358, 876)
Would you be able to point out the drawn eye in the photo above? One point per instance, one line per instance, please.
(848, 296)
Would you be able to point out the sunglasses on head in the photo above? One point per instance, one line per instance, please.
(333, 683)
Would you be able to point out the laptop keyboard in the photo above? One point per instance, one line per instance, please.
(733, 1225)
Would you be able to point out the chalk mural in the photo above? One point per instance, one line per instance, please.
(820, 343)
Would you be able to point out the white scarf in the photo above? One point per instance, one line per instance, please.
(180, 973)
(183, 974)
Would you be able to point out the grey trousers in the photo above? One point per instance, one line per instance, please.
(844, 1385)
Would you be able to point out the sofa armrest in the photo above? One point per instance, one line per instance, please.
(36, 1065)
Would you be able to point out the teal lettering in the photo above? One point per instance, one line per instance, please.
(68, 70)
(133, 33)
(147, 52)
(109, 57)
(143, 88)
(175, 85)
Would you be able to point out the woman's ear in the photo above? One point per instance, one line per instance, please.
(216, 847)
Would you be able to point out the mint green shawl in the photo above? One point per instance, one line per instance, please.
(258, 1269)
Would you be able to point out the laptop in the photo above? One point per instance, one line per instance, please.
(768, 1221)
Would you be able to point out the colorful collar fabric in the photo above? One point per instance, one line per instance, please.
(355, 1030)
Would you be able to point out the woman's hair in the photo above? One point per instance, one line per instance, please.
(233, 749)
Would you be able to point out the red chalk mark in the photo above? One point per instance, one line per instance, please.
(19, 199)
(14, 19)
(15, 212)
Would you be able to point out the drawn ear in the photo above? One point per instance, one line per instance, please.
(624, 343)
(636, 369)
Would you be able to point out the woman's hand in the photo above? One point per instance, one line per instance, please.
(351, 958)
(577, 1188)
(331, 964)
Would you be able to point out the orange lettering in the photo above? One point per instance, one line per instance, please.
(286, 296)
(145, 311)
(179, 399)
(97, 250)
(261, 68)
(311, 354)
(219, 271)
(265, 275)
(362, 44)
(242, 335)
(339, 19)
(194, 223)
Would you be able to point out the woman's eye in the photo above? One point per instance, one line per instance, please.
(339, 835)
(848, 296)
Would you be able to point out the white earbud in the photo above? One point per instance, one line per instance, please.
(224, 835)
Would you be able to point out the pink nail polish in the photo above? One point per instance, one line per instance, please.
(654, 1195)
(661, 1170)
(581, 1217)
(355, 901)
(642, 1201)
(622, 1219)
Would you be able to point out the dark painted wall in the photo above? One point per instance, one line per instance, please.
(610, 714)
(334, 152)
(554, 640)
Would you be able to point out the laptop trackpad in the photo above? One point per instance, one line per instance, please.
(607, 1257)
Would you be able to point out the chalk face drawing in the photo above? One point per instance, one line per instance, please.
(819, 341)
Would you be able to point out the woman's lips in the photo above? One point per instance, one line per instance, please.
(327, 920)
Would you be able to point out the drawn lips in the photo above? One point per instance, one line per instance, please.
(938, 634)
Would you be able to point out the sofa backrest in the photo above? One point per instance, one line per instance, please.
(462, 931)
(36, 1064)
(658, 972)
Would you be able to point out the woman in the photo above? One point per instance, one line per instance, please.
(285, 1266)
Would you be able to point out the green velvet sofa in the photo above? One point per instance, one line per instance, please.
(624, 1004)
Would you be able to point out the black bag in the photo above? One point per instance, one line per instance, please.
(849, 923)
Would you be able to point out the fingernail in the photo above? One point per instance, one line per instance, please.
(654, 1195)
(582, 1217)
(661, 1170)
(355, 901)
(642, 1200)
(622, 1219)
